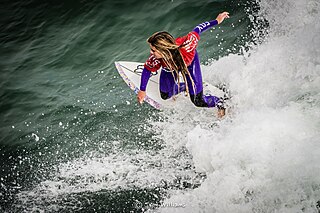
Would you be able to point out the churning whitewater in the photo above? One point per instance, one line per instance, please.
(265, 157)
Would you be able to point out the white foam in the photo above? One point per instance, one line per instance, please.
(120, 170)
(266, 158)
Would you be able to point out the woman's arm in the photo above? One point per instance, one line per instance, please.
(208, 24)
(152, 65)
(204, 26)
(145, 76)
(222, 16)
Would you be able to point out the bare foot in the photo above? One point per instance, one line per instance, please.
(221, 112)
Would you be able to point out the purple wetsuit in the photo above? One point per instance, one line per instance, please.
(168, 86)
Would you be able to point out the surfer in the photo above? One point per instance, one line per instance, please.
(176, 56)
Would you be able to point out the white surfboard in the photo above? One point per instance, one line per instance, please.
(131, 74)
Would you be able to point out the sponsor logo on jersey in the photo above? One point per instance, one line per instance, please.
(203, 25)
(191, 42)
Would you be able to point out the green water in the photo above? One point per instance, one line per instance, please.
(61, 96)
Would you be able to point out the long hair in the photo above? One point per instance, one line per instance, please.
(166, 45)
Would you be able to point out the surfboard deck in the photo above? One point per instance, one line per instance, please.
(131, 74)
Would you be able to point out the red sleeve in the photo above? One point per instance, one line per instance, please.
(191, 42)
(152, 64)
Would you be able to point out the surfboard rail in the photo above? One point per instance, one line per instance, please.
(122, 67)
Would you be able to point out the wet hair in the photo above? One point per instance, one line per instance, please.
(165, 44)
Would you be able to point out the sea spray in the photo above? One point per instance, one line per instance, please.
(265, 158)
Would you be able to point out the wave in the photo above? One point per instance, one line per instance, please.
(264, 156)
(261, 158)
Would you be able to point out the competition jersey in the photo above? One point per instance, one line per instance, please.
(189, 44)
(188, 50)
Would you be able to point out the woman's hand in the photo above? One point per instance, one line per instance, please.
(140, 96)
(222, 16)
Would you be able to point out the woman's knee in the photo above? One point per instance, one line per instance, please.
(164, 95)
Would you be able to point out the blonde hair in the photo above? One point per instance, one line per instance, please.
(167, 47)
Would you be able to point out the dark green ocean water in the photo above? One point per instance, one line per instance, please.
(63, 103)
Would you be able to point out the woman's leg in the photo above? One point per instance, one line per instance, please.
(196, 93)
(168, 86)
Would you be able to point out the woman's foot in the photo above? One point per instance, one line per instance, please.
(221, 112)
(221, 108)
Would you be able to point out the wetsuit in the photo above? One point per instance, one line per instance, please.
(168, 86)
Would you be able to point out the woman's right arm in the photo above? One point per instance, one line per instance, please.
(152, 65)
(143, 85)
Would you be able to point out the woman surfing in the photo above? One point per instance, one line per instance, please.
(179, 56)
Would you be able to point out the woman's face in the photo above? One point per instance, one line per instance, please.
(155, 52)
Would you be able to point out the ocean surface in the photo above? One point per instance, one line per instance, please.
(74, 139)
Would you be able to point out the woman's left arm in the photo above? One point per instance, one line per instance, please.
(208, 24)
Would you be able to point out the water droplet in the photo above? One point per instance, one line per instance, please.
(36, 137)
